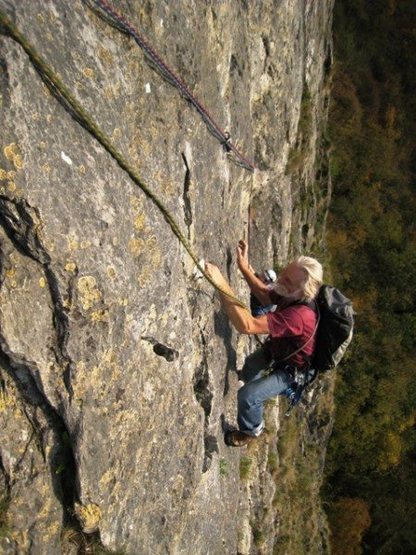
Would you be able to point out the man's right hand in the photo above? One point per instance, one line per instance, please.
(242, 255)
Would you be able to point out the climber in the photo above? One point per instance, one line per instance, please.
(291, 329)
(257, 308)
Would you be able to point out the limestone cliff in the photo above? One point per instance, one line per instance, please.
(117, 369)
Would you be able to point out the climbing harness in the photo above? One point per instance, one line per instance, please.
(106, 12)
(63, 95)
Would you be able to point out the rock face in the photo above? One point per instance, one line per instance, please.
(117, 369)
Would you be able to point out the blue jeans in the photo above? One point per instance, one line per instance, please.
(257, 389)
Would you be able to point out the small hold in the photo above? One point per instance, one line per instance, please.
(165, 352)
(162, 350)
(147, 88)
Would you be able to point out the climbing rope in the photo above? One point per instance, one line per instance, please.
(63, 95)
(106, 12)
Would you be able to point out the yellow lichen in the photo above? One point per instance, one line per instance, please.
(18, 161)
(10, 151)
(136, 203)
(70, 267)
(99, 316)
(73, 244)
(46, 169)
(105, 56)
(136, 246)
(139, 222)
(112, 91)
(89, 294)
(82, 169)
(3, 174)
(88, 72)
(116, 133)
(11, 175)
(89, 516)
(42, 282)
(11, 186)
(85, 244)
(6, 401)
(106, 479)
(111, 272)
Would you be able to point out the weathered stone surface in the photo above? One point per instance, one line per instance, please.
(31, 510)
(101, 322)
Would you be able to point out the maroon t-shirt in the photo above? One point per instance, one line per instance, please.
(290, 328)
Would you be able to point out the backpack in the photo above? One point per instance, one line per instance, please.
(334, 332)
(335, 328)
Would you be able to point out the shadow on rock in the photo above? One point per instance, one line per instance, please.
(223, 330)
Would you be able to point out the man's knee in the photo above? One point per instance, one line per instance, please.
(246, 396)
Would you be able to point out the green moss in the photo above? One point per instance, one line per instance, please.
(258, 536)
(272, 462)
(245, 467)
(224, 467)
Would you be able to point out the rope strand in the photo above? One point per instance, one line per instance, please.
(63, 95)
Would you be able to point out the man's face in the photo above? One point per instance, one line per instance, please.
(290, 282)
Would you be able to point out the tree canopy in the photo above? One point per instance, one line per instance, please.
(372, 241)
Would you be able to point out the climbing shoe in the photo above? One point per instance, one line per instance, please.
(238, 439)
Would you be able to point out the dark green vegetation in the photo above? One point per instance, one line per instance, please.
(371, 465)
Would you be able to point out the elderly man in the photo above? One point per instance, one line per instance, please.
(291, 329)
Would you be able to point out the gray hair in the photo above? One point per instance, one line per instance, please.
(314, 276)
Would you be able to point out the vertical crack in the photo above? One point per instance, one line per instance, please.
(22, 224)
(204, 397)
(61, 457)
(187, 206)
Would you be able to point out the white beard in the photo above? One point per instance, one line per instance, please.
(282, 291)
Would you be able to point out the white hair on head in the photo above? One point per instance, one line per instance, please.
(314, 276)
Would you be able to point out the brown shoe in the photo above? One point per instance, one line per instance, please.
(238, 439)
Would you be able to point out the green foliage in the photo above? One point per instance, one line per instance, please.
(372, 239)
(245, 467)
(224, 467)
(349, 519)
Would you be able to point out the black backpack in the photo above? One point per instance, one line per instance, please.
(335, 328)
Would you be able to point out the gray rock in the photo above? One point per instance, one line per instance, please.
(90, 270)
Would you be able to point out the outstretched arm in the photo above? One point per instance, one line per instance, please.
(240, 317)
(257, 287)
